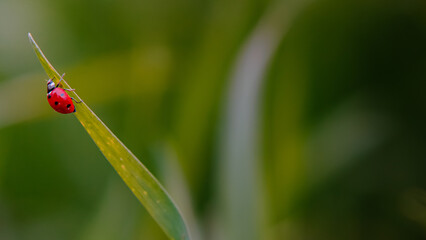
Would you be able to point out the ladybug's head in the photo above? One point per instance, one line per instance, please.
(50, 85)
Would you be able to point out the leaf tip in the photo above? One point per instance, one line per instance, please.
(30, 37)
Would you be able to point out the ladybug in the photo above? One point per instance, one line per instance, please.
(58, 99)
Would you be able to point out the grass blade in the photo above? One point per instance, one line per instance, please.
(137, 177)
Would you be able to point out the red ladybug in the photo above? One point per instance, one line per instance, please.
(58, 99)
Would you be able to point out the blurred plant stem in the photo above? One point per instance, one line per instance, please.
(241, 182)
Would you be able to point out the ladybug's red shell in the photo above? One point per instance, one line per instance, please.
(60, 101)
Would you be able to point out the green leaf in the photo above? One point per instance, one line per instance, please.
(137, 177)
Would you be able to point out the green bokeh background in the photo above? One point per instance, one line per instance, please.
(263, 119)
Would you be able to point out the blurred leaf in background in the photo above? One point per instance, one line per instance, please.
(265, 119)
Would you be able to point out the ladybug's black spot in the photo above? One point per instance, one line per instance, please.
(56, 103)
(68, 105)
(48, 96)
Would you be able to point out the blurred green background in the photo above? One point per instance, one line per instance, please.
(263, 119)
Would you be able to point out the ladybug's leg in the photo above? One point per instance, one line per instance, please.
(75, 100)
(62, 77)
